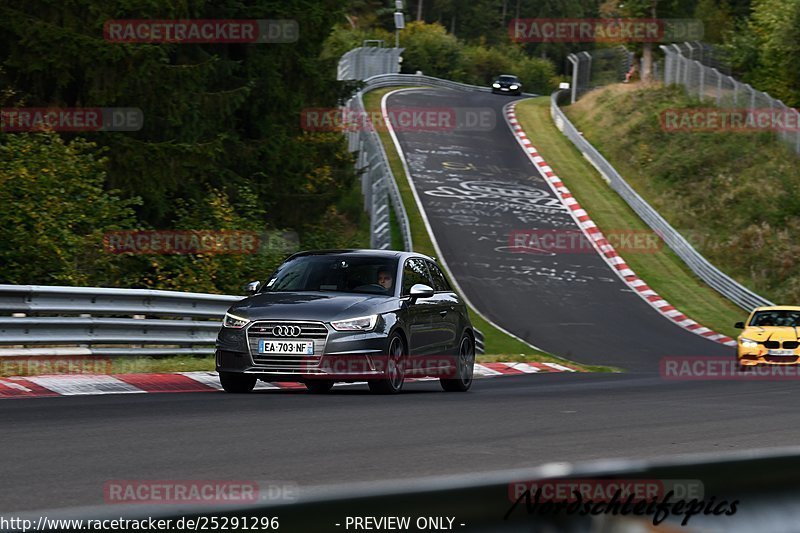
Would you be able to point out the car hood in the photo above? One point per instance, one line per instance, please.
(322, 306)
(775, 333)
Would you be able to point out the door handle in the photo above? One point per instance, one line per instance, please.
(443, 313)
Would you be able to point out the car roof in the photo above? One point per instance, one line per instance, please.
(364, 252)
(778, 308)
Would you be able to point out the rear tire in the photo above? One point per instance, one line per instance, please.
(395, 361)
(465, 367)
(319, 386)
(237, 383)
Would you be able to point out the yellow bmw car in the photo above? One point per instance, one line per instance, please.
(771, 336)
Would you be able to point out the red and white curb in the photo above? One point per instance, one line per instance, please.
(601, 244)
(95, 384)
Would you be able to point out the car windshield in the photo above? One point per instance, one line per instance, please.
(785, 318)
(338, 273)
(507, 78)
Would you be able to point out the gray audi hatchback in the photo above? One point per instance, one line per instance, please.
(348, 315)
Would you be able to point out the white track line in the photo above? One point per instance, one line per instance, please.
(77, 384)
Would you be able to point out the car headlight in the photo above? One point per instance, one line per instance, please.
(233, 321)
(514, 87)
(362, 323)
(496, 85)
(747, 343)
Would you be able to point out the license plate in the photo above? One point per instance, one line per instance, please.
(286, 347)
(781, 352)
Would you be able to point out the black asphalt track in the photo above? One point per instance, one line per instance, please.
(59, 452)
(477, 187)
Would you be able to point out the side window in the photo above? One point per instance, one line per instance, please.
(415, 272)
(439, 281)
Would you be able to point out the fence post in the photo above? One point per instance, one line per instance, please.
(700, 87)
(667, 65)
(572, 58)
(588, 68)
(796, 132)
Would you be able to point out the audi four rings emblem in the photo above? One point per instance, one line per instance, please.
(286, 331)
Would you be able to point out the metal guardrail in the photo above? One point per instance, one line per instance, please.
(103, 301)
(186, 323)
(724, 284)
(366, 61)
(114, 318)
(378, 183)
(389, 80)
(765, 487)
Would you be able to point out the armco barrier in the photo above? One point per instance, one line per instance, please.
(764, 484)
(85, 318)
(724, 284)
(102, 321)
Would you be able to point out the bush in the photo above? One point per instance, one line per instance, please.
(55, 211)
(483, 64)
(429, 48)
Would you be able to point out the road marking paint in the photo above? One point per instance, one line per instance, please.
(84, 384)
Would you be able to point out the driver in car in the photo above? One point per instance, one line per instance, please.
(385, 279)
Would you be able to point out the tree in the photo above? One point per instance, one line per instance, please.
(221, 120)
(54, 212)
(429, 48)
(215, 115)
(766, 50)
(716, 18)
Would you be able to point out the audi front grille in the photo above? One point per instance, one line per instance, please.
(282, 330)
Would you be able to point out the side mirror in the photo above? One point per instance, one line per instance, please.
(420, 291)
(252, 287)
(739, 325)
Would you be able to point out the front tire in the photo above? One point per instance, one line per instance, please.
(465, 367)
(237, 383)
(395, 371)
